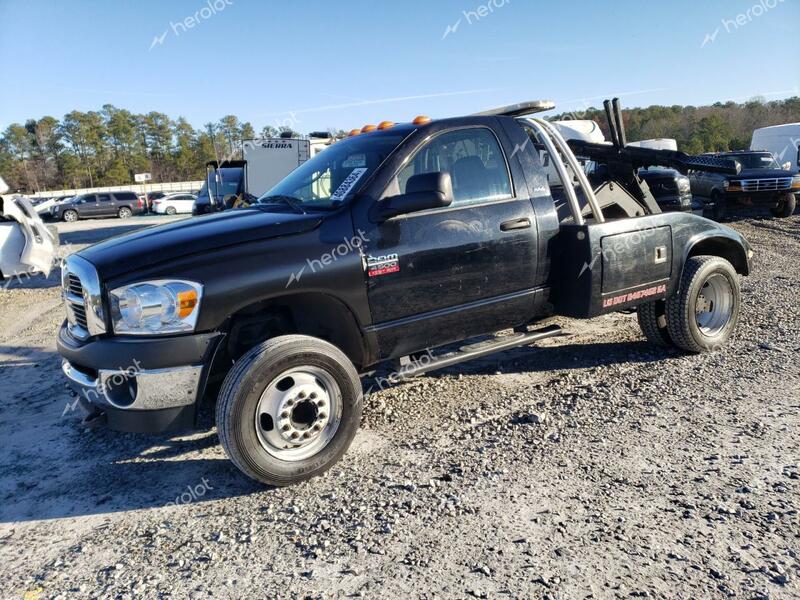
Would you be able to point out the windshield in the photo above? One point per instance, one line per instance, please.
(228, 183)
(327, 179)
(760, 160)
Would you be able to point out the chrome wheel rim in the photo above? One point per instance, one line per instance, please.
(124, 213)
(70, 217)
(298, 413)
(714, 305)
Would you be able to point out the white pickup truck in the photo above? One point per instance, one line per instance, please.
(27, 246)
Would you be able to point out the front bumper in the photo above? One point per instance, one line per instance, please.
(759, 198)
(143, 385)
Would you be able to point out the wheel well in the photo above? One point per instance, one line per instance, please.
(314, 314)
(724, 248)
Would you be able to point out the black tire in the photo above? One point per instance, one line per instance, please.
(170, 210)
(124, 212)
(239, 400)
(785, 207)
(720, 207)
(652, 319)
(70, 216)
(682, 307)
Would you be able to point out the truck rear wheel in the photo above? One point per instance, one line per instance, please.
(289, 409)
(703, 313)
(652, 319)
(785, 207)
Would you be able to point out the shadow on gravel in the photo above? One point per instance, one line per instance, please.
(92, 236)
(105, 472)
(529, 359)
(52, 467)
(31, 281)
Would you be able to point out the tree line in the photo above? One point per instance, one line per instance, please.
(721, 126)
(106, 147)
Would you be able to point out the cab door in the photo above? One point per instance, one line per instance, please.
(106, 205)
(447, 274)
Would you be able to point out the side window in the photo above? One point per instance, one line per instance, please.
(104, 197)
(89, 198)
(474, 160)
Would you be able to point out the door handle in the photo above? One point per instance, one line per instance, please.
(523, 223)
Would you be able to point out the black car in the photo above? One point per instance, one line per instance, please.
(105, 204)
(761, 181)
(671, 190)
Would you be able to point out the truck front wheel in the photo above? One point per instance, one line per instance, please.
(652, 319)
(785, 208)
(703, 313)
(289, 409)
(720, 206)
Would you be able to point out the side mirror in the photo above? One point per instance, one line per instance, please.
(787, 166)
(423, 191)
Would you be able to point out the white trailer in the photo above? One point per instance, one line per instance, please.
(271, 159)
(783, 141)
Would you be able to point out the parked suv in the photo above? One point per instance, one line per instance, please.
(761, 181)
(105, 204)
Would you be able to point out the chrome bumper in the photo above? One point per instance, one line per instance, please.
(137, 389)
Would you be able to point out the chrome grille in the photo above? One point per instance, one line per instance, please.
(82, 298)
(79, 313)
(772, 184)
(74, 285)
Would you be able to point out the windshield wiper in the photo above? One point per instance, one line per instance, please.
(292, 202)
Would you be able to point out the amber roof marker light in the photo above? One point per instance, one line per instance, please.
(353, 132)
(385, 125)
(368, 128)
(421, 120)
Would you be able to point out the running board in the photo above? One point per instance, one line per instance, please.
(477, 350)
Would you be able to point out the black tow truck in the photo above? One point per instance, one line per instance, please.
(391, 245)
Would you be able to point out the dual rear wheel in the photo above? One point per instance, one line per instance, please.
(702, 315)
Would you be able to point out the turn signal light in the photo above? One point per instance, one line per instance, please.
(421, 120)
(368, 128)
(186, 303)
(385, 124)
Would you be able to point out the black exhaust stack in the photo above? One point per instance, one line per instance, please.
(612, 128)
(620, 124)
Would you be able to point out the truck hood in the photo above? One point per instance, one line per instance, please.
(129, 252)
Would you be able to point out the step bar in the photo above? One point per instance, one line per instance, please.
(477, 350)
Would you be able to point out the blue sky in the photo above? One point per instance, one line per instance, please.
(320, 64)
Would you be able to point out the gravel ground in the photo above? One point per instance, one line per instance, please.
(589, 466)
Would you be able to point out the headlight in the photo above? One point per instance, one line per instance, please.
(683, 184)
(156, 307)
(734, 186)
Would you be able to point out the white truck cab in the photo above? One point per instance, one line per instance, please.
(27, 246)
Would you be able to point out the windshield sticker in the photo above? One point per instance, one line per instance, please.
(348, 184)
(355, 160)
